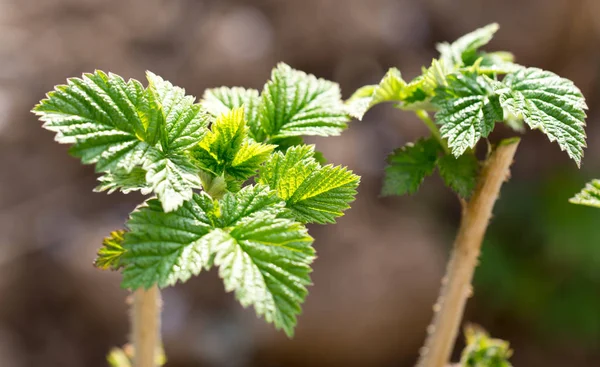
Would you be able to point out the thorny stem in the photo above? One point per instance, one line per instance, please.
(435, 132)
(456, 284)
(145, 323)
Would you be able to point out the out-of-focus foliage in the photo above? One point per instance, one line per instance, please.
(483, 350)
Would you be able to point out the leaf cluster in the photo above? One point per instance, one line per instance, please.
(470, 91)
(233, 184)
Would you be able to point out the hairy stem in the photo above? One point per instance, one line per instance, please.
(145, 320)
(435, 132)
(456, 284)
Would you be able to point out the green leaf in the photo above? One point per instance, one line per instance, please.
(124, 181)
(178, 122)
(460, 174)
(98, 114)
(468, 111)
(484, 351)
(409, 165)
(314, 194)
(226, 149)
(390, 89)
(454, 55)
(295, 103)
(163, 248)
(221, 100)
(173, 178)
(549, 103)
(261, 256)
(110, 253)
(589, 196)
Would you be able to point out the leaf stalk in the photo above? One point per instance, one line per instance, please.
(145, 326)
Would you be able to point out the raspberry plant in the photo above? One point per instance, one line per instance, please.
(232, 184)
(470, 91)
(590, 195)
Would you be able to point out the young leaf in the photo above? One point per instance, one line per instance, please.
(460, 174)
(124, 181)
(295, 103)
(409, 165)
(391, 88)
(262, 257)
(111, 251)
(468, 111)
(178, 122)
(219, 101)
(484, 351)
(314, 194)
(226, 149)
(453, 55)
(98, 114)
(173, 178)
(547, 102)
(589, 196)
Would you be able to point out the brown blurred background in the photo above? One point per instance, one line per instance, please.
(379, 268)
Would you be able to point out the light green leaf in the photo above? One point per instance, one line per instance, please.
(295, 103)
(390, 89)
(314, 194)
(180, 123)
(98, 114)
(124, 181)
(460, 174)
(468, 111)
(163, 248)
(221, 100)
(453, 55)
(549, 103)
(484, 351)
(226, 149)
(110, 253)
(409, 165)
(589, 196)
(173, 178)
(264, 258)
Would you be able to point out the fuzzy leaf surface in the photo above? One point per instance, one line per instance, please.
(590, 195)
(468, 111)
(460, 174)
(547, 102)
(99, 115)
(454, 54)
(295, 103)
(226, 149)
(264, 258)
(408, 166)
(313, 193)
(110, 253)
(218, 101)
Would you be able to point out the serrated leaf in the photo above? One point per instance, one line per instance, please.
(483, 351)
(124, 181)
(313, 193)
(181, 123)
(98, 114)
(226, 149)
(468, 111)
(264, 258)
(409, 165)
(549, 103)
(295, 103)
(453, 55)
(172, 177)
(590, 195)
(110, 253)
(163, 248)
(221, 100)
(460, 174)
(390, 89)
